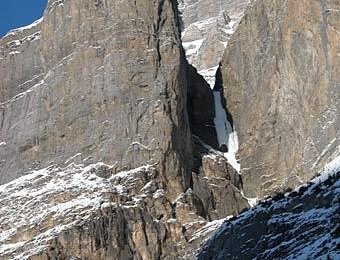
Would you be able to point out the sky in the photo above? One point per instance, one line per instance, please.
(18, 13)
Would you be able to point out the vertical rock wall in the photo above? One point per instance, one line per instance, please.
(113, 89)
(282, 83)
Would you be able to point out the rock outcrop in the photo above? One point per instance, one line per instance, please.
(282, 82)
(92, 212)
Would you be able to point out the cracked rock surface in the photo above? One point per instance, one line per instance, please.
(282, 83)
(97, 138)
(108, 148)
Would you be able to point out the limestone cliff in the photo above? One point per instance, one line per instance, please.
(96, 137)
(104, 80)
(282, 82)
(110, 133)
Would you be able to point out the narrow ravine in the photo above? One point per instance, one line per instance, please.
(195, 45)
(225, 135)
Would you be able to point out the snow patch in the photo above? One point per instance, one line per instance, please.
(24, 28)
(209, 75)
(225, 134)
(331, 168)
(192, 48)
(208, 228)
(325, 150)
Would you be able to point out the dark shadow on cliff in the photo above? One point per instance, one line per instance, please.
(200, 107)
(201, 112)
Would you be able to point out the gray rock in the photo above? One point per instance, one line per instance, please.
(113, 87)
(282, 83)
(103, 138)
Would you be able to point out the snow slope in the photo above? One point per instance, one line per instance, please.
(302, 225)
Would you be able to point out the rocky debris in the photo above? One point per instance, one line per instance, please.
(217, 183)
(95, 213)
(281, 82)
(303, 224)
(219, 187)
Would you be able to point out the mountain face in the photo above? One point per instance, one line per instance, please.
(134, 129)
(281, 83)
(108, 87)
(96, 137)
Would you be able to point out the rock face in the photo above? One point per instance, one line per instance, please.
(95, 117)
(108, 148)
(92, 212)
(113, 89)
(22, 49)
(282, 82)
(301, 225)
(87, 212)
(206, 28)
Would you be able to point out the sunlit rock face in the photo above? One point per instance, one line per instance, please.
(281, 82)
(96, 142)
(104, 80)
(93, 212)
